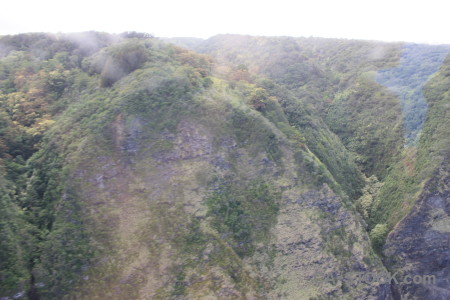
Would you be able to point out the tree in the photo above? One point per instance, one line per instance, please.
(259, 98)
(378, 236)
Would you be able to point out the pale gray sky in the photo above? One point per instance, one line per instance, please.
(388, 20)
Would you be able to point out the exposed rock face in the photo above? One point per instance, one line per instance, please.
(323, 251)
(144, 195)
(420, 244)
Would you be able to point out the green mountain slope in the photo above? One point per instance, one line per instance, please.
(253, 168)
(353, 88)
(343, 81)
(147, 177)
(425, 253)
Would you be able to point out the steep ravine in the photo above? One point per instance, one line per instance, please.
(419, 245)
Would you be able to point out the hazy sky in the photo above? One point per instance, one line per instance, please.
(388, 20)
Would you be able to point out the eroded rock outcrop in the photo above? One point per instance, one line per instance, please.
(418, 249)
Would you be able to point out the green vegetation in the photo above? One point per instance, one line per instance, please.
(369, 193)
(13, 235)
(378, 236)
(243, 217)
(354, 116)
(416, 166)
(46, 79)
(418, 63)
(320, 140)
(327, 86)
(370, 95)
(130, 166)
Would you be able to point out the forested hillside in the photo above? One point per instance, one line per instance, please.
(243, 168)
(370, 94)
(376, 97)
